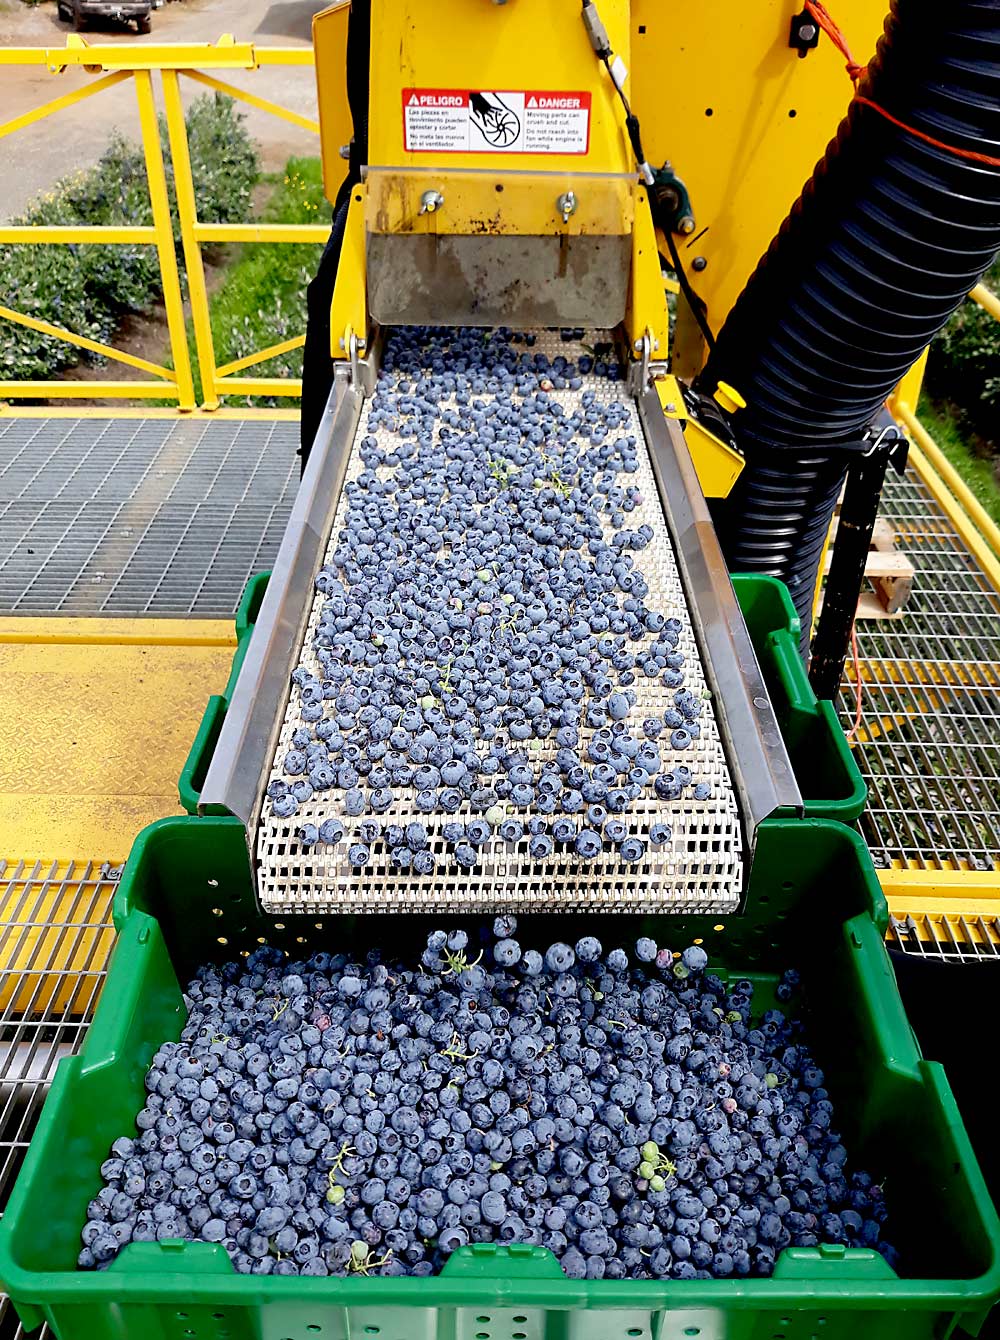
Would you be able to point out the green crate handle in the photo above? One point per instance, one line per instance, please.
(199, 756)
(250, 603)
(782, 649)
(828, 776)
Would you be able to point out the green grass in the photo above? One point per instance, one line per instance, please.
(262, 298)
(943, 422)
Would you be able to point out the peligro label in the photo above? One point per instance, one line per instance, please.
(440, 120)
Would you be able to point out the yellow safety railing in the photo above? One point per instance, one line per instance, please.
(112, 65)
(970, 519)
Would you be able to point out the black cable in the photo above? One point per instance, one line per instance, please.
(598, 37)
(693, 301)
(631, 121)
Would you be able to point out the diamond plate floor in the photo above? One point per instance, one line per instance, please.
(140, 516)
(96, 720)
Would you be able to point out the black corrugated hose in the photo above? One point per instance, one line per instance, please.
(317, 367)
(887, 238)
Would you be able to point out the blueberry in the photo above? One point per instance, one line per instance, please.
(466, 855)
(507, 953)
(416, 836)
(588, 844)
(511, 830)
(559, 958)
(354, 801)
(284, 806)
(618, 706)
(331, 831)
(616, 830)
(694, 959)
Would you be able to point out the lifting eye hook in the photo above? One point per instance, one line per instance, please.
(352, 346)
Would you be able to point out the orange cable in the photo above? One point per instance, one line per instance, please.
(829, 26)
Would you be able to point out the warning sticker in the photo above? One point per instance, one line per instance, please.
(529, 121)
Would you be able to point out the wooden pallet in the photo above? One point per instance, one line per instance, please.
(887, 568)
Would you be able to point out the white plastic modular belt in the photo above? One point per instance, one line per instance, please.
(699, 870)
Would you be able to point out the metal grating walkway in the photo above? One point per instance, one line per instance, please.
(140, 516)
(55, 942)
(929, 743)
(948, 936)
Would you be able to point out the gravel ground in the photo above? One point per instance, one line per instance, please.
(33, 159)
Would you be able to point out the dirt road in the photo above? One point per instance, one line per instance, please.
(33, 159)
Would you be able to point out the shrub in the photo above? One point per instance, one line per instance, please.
(88, 288)
(224, 162)
(262, 300)
(964, 366)
(45, 282)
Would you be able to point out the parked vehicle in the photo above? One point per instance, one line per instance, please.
(78, 12)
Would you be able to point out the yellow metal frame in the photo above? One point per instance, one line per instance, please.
(329, 34)
(744, 179)
(176, 382)
(113, 65)
(743, 170)
(646, 316)
(538, 46)
(716, 464)
(970, 519)
(349, 305)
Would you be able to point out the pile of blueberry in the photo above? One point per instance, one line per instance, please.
(486, 648)
(336, 1116)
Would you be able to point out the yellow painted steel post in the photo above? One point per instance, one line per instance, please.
(187, 213)
(58, 104)
(908, 390)
(329, 34)
(162, 222)
(987, 300)
(349, 306)
(647, 302)
(82, 342)
(252, 100)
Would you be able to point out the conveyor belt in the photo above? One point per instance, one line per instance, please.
(700, 869)
(702, 866)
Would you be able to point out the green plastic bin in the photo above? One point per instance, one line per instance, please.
(829, 780)
(828, 777)
(193, 773)
(815, 902)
